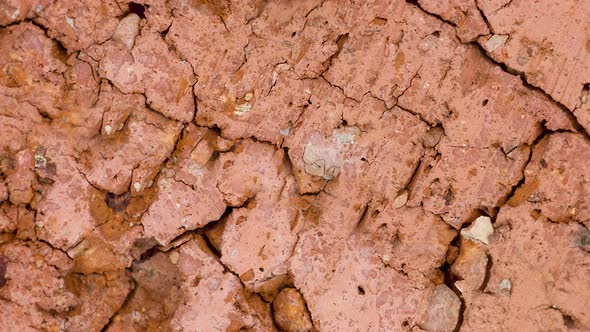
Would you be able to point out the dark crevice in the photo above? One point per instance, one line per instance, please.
(226, 269)
(149, 253)
(362, 217)
(504, 6)
(340, 41)
(568, 320)
(483, 16)
(450, 278)
(414, 113)
(360, 290)
(486, 278)
(137, 9)
(513, 71)
(307, 309)
(522, 180)
(60, 49)
(164, 33)
(203, 232)
(124, 304)
(566, 111)
(213, 249)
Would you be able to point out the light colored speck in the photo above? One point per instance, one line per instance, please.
(70, 22)
(15, 14)
(242, 108)
(248, 96)
(386, 258)
(286, 131)
(40, 160)
(78, 249)
(136, 316)
(505, 285)
(427, 43)
(174, 256)
(522, 60)
(480, 230)
(137, 186)
(177, 205)
(345, 135)
(195, 169)
(494, 42)
(108, 129)
(39, 8)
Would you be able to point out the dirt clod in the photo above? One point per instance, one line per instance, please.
(290, 312)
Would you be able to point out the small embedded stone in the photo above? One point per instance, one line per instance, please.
(433, 136)
(400, 200)
(505, 286)
(470, 267)
(242, 108)
(127, 30)
(443, 310)
(480, 230)
(2, 272)
(108, 129)
(494, 42)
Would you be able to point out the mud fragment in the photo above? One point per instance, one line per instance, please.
(443, 310)
(290, 313)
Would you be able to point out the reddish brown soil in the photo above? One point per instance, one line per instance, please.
(313, 165)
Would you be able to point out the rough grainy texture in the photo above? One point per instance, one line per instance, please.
(314, 165)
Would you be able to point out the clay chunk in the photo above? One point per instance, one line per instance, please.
(290, 313)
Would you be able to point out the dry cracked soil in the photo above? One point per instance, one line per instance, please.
(282, 165)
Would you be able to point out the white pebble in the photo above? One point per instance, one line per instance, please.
(400, 200)
(494, 42)
(480, 230)
(70, 22)
(505, 284)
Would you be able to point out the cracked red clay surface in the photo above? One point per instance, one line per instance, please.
(333, 165)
